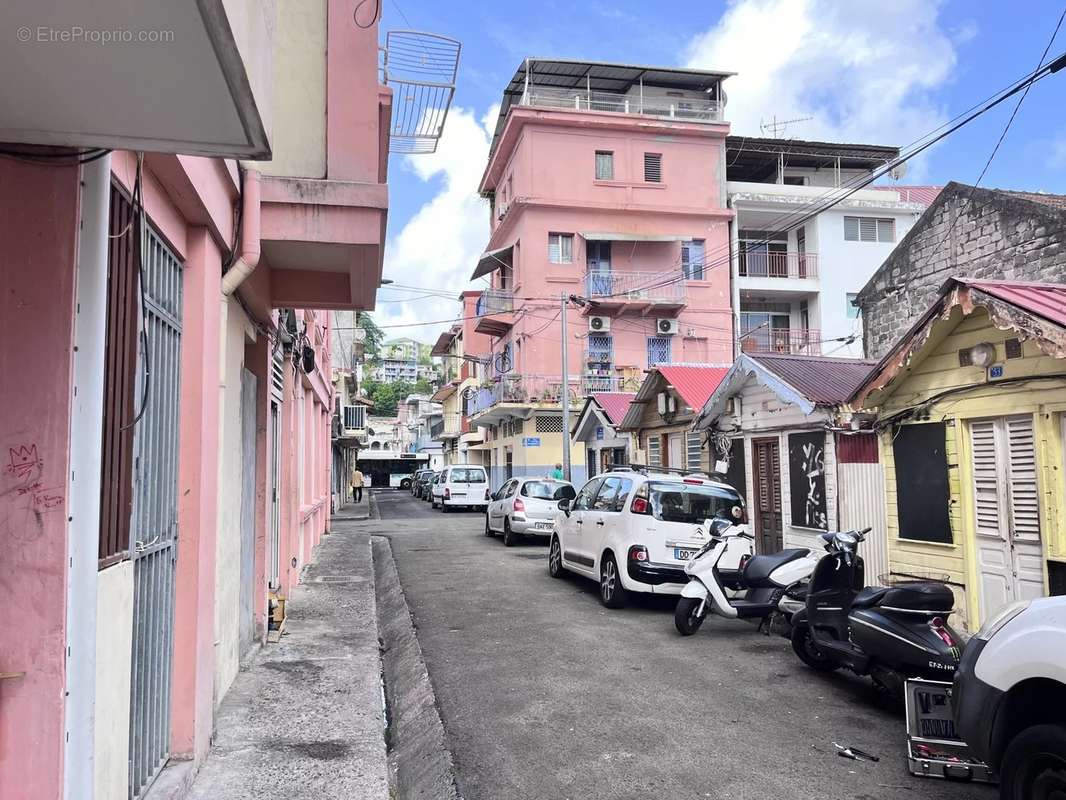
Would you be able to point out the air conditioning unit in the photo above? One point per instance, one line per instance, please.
(599, 324)
(666, 327)
(354, 418)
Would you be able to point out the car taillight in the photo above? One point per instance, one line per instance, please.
(640, 506)
(638, 552)
(519, 505)
(447, 493)
(693, 481)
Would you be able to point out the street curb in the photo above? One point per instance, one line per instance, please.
(420, 765)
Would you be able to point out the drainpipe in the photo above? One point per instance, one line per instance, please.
(250, 247)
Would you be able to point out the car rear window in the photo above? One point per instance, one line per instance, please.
(690, 503)
(467, 476)
(548, 490)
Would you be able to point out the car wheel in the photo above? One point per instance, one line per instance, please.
(488, 530)
(510, 538)
(444, 507)
(433, 503)
(804, 646)
(405, 484)
(555, 558)
(688, 615)
(612, 593)
(1034, 765)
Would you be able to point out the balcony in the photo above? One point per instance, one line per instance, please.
(794, 341)
(536, 390)
(774, 264)
(634, 291)
(679, 109)
(495, 312)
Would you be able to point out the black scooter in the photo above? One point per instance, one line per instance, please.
(888, 633)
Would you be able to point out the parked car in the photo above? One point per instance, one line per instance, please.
(634, 531)
(526, 506)
(422, 479)
(462, 486)
(1009, 698)
(427, 491)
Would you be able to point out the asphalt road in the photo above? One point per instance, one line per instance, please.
(546, 694)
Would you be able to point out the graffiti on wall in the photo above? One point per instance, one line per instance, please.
(24, 496)
(806, 463)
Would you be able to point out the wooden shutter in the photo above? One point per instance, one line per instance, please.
(694, 451)
(653, 167)
(986, 469)
(654, 452)
(1022, 484)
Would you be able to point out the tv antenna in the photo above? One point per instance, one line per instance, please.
(776, 127)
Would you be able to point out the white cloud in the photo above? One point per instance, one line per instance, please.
(439, 245)
(864, 70)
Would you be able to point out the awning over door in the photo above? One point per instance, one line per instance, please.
(493, 260)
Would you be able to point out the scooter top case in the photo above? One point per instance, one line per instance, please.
(906, 627)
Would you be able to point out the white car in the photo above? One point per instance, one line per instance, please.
(635, 531)
(526, 506)
(461, 485)
(1009, 698)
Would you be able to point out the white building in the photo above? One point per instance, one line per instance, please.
(793, 284)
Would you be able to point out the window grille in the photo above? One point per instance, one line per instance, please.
(604, 165)
(658, 350)
(653, 167)
(560, 248)
(694, 454)
(354, 417)
(549, 425)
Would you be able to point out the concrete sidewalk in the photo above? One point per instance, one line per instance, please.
(354, 511)
(304, 717)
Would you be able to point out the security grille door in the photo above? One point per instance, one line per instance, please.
(769, 533)
(1006, 511)
(155, 513)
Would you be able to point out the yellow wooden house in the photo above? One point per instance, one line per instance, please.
(971, 409)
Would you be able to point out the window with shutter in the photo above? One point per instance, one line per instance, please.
(886, 230)
(560, 248)
(693, 454)
(985, 477)
(869, 229)
(653, 167)
(604, 165)
(851, 229)
(1024, 496)
(654, 454)
(692, 259)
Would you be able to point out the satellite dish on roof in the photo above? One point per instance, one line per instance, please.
(898, 171)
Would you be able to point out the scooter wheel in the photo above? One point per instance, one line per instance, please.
(808, 651)
(687, 616)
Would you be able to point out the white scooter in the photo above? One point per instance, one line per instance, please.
(756, 588)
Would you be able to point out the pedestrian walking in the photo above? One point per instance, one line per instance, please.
(557, 473)
(357, 484)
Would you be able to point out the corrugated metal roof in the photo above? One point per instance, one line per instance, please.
(1056, 201)
(614, 404)
(821, 379)
(694, 384)
(1047, 300)
(922, 195)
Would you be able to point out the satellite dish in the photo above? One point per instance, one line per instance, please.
(898, 171)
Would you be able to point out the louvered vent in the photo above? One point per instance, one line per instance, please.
(549, 424)
(653, 167)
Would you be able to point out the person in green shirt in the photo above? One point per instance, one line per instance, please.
(557, 473)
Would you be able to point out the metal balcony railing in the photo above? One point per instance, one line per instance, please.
(763, 264)
(513, 388)
(495, 301)
(797, 341)
(645, 287)
(681, 109)
(420, 68)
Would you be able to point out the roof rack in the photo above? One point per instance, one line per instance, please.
(644, 469)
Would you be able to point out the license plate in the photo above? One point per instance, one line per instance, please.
(684, 554)
(543, 526)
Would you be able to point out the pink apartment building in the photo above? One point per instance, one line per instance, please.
(606, 182)
(165, 322)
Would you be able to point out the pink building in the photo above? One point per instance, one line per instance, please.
(606, 182)
(165, 317)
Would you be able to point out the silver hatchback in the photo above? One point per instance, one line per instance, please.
(526, 507)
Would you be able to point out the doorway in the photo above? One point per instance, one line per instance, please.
(246, 623)
(769, 532)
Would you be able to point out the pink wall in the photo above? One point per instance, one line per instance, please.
(37, 228)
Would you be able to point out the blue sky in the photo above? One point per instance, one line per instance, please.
(866, 70)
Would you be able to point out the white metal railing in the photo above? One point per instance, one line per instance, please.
(654, 287)
(495, 301)
(683, 109)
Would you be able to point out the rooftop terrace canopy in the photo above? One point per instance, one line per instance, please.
(756, 159)
(598, 76)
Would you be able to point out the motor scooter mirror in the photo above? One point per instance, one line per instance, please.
(719, 526)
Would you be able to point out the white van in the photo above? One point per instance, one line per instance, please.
(464, 485)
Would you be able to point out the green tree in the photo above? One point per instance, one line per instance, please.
(374, 337)
(386, 397)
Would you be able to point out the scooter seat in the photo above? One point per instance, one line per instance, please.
(757, 570)
(917, 596)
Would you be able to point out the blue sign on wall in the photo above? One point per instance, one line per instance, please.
(599, 432)
(531, 441)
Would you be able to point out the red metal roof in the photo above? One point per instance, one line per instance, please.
(1056, 201)
(614, 404)
(694, 384)
(1047, 300)
(821, 379)
(923, 195)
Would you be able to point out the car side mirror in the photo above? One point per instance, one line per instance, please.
(564, 506)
